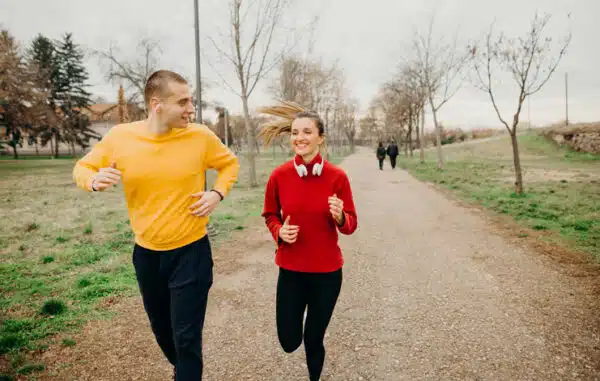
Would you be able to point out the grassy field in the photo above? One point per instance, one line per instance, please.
(562, 187)
(66, 253)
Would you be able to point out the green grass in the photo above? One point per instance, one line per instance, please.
(562, 187)
(69, 342)
(64, 251)
(30, 368)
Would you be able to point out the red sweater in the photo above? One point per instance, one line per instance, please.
(305, 200)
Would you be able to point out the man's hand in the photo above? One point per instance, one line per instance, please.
(207, 203)
(336, 208)
(288, 233)
(106, 177)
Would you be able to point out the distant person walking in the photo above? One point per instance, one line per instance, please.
(381, 152)
(393, 152)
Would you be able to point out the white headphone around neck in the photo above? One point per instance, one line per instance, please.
(302, 171)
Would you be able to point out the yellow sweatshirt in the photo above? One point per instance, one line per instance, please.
(159, 175)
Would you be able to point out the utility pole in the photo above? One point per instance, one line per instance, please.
(211, 231)
(198, 73)
(567, 98)
(226, 127)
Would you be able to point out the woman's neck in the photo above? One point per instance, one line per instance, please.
(309, 157)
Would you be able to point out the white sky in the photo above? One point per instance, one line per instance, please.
(369, 38)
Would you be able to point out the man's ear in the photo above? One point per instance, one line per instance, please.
(155, 104)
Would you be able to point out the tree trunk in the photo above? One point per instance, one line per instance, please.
(52, 147)
(409, 132)
(14, 143)
(415, 125)
(517, 162)
(438, 140)
(250, 140)
(56, 142)
(256, 145)
(420, 135)
(37, 149)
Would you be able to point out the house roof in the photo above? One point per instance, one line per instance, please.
(110, 112)
(101, 108)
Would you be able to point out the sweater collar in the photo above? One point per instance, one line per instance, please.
(317, 159)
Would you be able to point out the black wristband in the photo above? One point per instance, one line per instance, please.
(219, 193)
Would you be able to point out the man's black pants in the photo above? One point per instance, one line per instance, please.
(174, 285)
(318, 294)
(393, 161)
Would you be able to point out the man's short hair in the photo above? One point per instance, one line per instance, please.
(158, 83)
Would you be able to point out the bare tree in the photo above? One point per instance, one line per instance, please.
(392, 105)
(251, 55)
(370, 129)
(132, 73)
(347, 120)
(291, 82)
(412, 97)
(325, 85)
(418, 98)
(440, 68)
(530, 61)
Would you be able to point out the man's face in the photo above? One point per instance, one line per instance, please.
(176, 108)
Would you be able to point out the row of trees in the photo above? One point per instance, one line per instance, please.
(438, 69)
(43, 92)
(43, 89)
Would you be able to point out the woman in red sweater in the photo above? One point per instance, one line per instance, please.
(307, 201)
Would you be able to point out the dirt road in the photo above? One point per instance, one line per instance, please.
(431, 292)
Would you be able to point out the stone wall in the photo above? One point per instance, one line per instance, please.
(584, 137)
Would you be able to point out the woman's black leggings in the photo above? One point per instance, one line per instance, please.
(316, 292)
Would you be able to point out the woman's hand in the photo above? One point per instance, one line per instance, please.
(336, 208)
(288, 233)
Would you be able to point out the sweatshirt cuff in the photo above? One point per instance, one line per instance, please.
(345, 227)
(83, 178)
(275, 234)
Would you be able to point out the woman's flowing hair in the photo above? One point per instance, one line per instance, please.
(285, 113)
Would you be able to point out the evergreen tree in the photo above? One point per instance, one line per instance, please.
(43, 56)
(71, 94)
(72, 75)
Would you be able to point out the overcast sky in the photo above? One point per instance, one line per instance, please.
(368, 38)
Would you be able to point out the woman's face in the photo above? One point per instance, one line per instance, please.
(305, 137)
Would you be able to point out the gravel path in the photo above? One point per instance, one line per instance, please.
(431, 292)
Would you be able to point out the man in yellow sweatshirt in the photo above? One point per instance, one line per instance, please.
(161, 162)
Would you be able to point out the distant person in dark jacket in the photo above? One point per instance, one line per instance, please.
(381, 152)
(393, 152)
